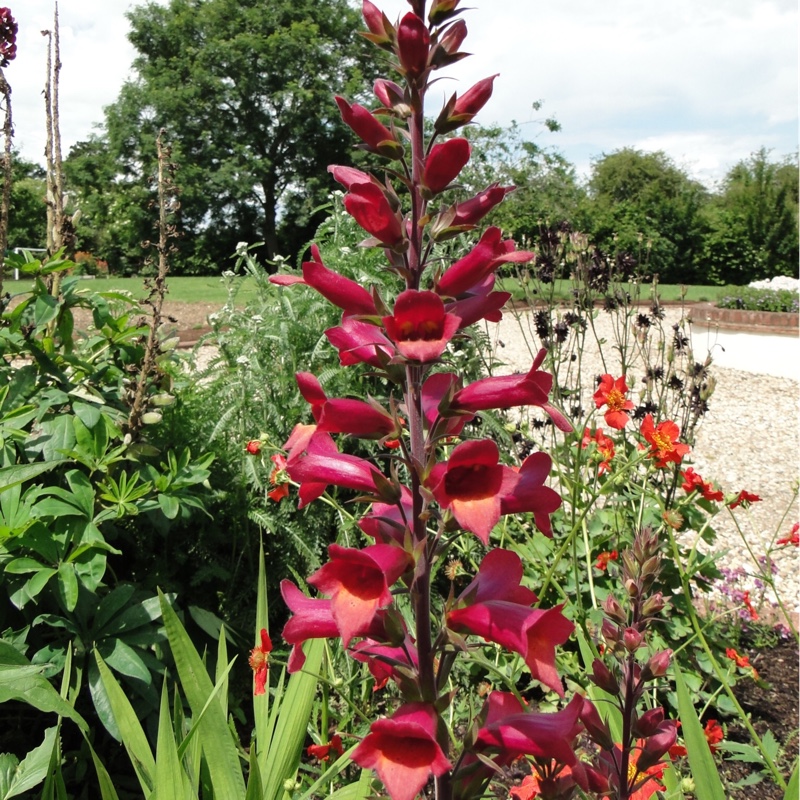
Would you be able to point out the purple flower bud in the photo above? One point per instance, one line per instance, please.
(657, 666)
(632, 639)
(604, 678)
(648, 723)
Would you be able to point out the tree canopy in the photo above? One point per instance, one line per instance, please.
(245, 91)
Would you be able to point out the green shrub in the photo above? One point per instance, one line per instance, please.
(749, 299)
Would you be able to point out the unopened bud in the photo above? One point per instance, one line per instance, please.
(610, 632)
(632, 639)
(604, 678)
(653, 605)
(657, 745)
(595, 727)
(658, 665)
(648, 723)
(651, 566)
(632, 588)
(613, 609)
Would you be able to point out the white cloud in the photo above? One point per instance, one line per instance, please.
(708, 82)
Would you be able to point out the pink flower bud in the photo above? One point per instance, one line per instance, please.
(253, 447)
(444, 163)
(658, 664)
(653, 605)
(381, 31)
(595, 727)
(389, 93)
(454, 37)
(610, 631)
(604, 678)
(649, 722)
(657, 745)
(613, 609)
(632, 639)
(413, 42)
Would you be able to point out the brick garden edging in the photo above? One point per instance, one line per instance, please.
(775, 322)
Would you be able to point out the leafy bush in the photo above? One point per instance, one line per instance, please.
(746, 298)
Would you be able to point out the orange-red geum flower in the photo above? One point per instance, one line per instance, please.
(322, 752)
(604, 558)
(793, 537)
(605, 447)
(713, 733)
(613, 394)
(744, 498)
(259, 662)
(280, 488)
(663, 441)
(692, 481)
(743, 662)
(253, 447)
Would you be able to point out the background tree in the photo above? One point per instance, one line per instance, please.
(644, 204)
(244, 89)
(547, 191)
(27, 218)
(753, 223)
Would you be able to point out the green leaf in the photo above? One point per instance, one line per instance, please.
(56, 437)
(169, 505)
(286, 746)
(88, 413)
(45, 309)
(124, 659)
(793, 787)
(107, 790)
(12, 476)
(218, 745)
(68, 585)
(20, 680)
(29, 772)
(704, 771)
(172, 783)
(130, 729)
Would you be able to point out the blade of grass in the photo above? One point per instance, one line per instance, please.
(286, 744)
(172, 783)
(218, 745)
(793, 787)
(261, 703)
(708, 786)
(131, 731)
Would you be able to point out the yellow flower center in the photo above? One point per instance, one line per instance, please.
(662, 443)
(615, 400)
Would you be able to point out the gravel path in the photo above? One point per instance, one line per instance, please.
(747, 440)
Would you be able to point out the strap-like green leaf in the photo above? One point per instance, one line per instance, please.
(708, 786)
(218, 745)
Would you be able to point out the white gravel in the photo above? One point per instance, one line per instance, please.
(748, 439)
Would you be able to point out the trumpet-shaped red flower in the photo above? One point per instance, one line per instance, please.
(389, 93)
(472, 211)
(543, 736)
(348, 295)
(469, 484)
(612, 393)
(321, 464)
(420, 327)
(444, 163)
(479, 303)
(387, 523)
(359, 342)
(413, 43)
(744, 498)
(437, 394)
(259, 662)
(382, 660)
(663, 440)
(692, 482)
(311, 619)
(323, 752)
(508, 391)
(369, 129)
(471, 270)
(359, 582)
(605, 447)
(343, 415)
(497, 607)
(403, 750)
(381, 31)
(459, 111)
(524, 491)
(366, 203)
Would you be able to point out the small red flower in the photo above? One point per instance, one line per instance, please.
(714, 734)
(277, 479)
(445, 161)
(369, 128)
(322, 752)
(259, 662)
(743, 662)
(693, 482)
(413, 42)
(253, 447)
(605, 448)
(793, 537)
(612, 393)
(605, 557)
(749, 605)
(743, 499)
(366, 203)
(663, 441)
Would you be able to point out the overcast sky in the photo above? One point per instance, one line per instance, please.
(707, 81)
